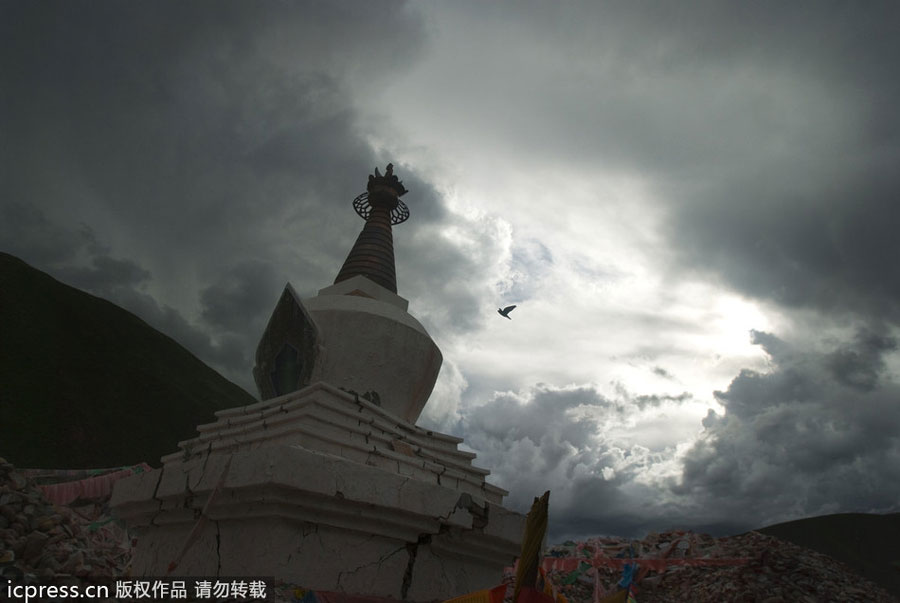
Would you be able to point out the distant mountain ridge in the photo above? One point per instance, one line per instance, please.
(87, 384)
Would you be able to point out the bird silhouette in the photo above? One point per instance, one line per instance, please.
(505, 311)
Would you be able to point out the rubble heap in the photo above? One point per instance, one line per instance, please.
(55, 544)
(684, 566)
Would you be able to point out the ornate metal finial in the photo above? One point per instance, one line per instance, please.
(384, 190)
(389, 180)
(372, 256)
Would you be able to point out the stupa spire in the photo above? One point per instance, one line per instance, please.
(372, 256)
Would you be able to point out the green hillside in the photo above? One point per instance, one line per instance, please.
(868, 543)
(84, 383)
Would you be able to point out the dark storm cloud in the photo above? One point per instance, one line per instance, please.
(207, 148)
(235, 296)
(827, 249)
(560, 439)
(602, 507)
(860, 364)
(817, 434)
(74, 256)
(807, 220)
(174, 115)
(27, 232)
(104, 274)
(227, 353)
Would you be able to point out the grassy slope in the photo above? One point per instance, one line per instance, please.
(84, 383)
(868, 543)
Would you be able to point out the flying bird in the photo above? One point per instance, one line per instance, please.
(505, 311)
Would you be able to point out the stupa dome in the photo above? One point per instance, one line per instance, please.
(357, 333)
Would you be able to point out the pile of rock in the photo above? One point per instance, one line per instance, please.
(49, 544)
(762, 569)
(780, 571)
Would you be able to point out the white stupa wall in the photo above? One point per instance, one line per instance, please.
(325, 490)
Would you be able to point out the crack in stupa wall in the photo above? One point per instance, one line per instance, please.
(443, 567)
(412, 549)
(466, 502)
(359, 568)
(218, 549)
(206, 456)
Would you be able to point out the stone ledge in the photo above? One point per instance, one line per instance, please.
(321, 386)
(329, 420)
(385, 433)
(470, 479)
(284, 470)
(312, 395)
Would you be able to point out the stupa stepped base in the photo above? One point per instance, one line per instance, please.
(325, 490)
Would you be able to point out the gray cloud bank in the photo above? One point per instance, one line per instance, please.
(819, 433)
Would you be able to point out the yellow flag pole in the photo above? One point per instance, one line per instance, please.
(530, 557)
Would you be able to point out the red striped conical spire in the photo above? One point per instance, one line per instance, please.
(372, 256)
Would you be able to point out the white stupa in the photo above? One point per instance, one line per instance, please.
(328, 483)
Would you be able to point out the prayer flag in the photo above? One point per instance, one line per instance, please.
(488, 595)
